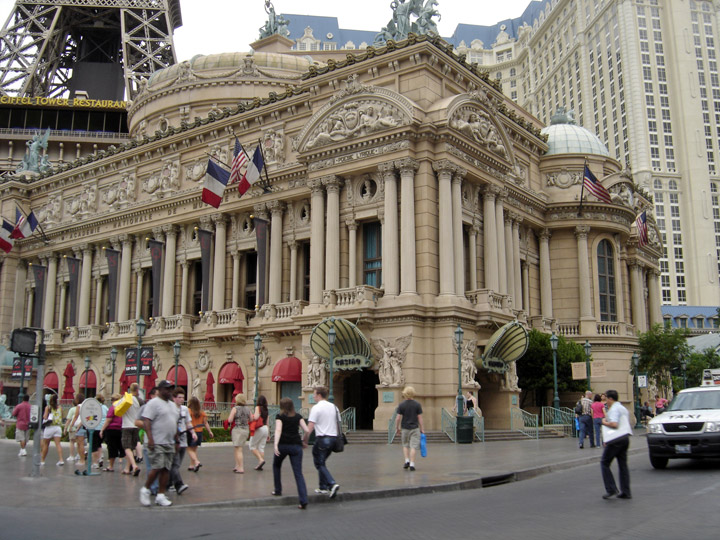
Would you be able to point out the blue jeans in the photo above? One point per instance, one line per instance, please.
(175, 478)
(321, 450)
(597, 425)
(296, 454)
(586, 427)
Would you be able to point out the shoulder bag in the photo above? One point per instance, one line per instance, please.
(341, 439)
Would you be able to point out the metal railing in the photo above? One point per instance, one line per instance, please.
(347, 419)
(448, 424)
(479, 425)
(391, 428)
(524, 422)
(561, 419)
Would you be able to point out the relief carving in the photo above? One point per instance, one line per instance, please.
(273, 142)
(166, 180)
(564, 179)
(83, 204)
(119, 194)
(477, 125)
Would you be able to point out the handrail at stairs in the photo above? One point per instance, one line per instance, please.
(448, 423)
(561, 419)
(347, 419)
(479, 424)
(524, 422)
(391, 428)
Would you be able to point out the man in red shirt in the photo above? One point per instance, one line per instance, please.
(22, 428)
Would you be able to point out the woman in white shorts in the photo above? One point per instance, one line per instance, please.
(260, 437)
(53, 422)
(240, 414)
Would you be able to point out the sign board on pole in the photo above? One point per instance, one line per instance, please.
(16, 370)
(597, 369)
(579, 372)
(91, 413)
(642, 380)
(131, 361)
(146, 360)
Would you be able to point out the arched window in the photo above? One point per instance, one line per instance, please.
(606, 281)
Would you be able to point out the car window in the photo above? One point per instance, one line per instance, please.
(695, 400)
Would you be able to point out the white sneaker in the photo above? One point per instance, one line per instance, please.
(70, 458)
(334, 490)
(144, 496)
(95, 466)
(77, 457)
(162, 500)
(322, 491)
(42, 463)
(20, 453)
(60, 463)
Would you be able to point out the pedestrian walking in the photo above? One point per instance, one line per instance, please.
(598, 413)
(261, 435)
(470, 402)
(75, 426)
(323, 419)
(200, 422)
(289, 443)
(130, 432)
(21, 412)
(184, 430)
(239, 414)
(584, 412)
(73, 422)
(616, 435)
(95, 445)
(409, 422)
(140, 423)
(111, 434)
(52, 429)
(160, 418)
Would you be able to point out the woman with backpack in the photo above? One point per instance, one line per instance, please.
(260, 437)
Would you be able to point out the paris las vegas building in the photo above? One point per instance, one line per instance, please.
(404, 192)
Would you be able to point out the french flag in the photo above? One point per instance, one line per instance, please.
(24, 227)
(252, 174)
(6, 241)
(216, 178)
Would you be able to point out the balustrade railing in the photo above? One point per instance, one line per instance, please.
(347, 419)
(479, 425)
(561, 419)
(391, 428)
(448, 424)
(568, 329)
(487, 298)
(524, 422)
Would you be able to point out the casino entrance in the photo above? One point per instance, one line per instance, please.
(358, 390)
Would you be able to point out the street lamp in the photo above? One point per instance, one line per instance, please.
(113, 358)
(258, 345)
(458, 341)
(87, 368)
(331, 341)
(587, 348)
(176, 354)
(140, 326)
(636, 363)
(554, 344)
(684, 363)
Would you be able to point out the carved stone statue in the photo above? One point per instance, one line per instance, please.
(33, 161)
(275, 24)
(196, 387)
(511, 378)
(477, 126)
(5, 412)
(400, 25)
(391, 357)
(467, 364)
(317, 374)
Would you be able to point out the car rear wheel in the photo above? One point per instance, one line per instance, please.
(658, 462)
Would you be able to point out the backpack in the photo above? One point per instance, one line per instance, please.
(579, 408)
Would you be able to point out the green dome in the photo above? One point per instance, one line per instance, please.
(566, 137)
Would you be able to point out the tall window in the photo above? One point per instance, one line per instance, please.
(250, 279)
(606, 281)
(372, 254)
(306, 270)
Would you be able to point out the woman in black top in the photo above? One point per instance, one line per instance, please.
(289, 443)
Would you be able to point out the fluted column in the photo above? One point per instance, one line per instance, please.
(98, 298)
(352, 248)
(123, 313)
(218, 294)
(458, 251)
(184, 287)
(444, 171)
(30, 306)
(546, 302)
(509, 261)
(526, 287)
(490, 256)
(472, 243)
(654, 297)
(317, 241)
(276, 230)
(519, 303)
(408, 264)
(63, 300)
(293, 245)
(139, 292)
(501, 254)
(168, 294)
(584, 285)
(85, 286)
(391, 249)
(638, 293)
(332, 247)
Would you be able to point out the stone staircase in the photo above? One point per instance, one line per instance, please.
(434, 437)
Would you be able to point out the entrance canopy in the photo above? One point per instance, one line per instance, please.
(91, 379)
(506, 345)
(351, 349)
(182, 379)
(51, 381)
(287, 370)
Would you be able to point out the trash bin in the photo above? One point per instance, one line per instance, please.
(464, 429)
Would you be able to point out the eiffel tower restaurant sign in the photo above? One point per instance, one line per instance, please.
(64, 102)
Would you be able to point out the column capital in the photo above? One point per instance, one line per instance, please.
(48, 256)
(169, 230)
(635, 263)
(125, 239)
(276, 207)
(545, 234)
(205, 222)
(332, 183)
(581, 231)
(351, 224)
(387, 168)
(292, 244)
(158, 234)
(407, 165)
(315, 185)
(491, 191)
(260, 210)
(517, 220)
(447, 167)
(219, 219)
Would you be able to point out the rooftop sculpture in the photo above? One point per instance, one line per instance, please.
(400, 25)
(33, 161)
(276, 24)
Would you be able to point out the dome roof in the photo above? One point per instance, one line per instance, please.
(566, 137)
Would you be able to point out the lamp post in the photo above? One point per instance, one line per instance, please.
(176, 354)
(113, 358)
(683, 363)
(258, 345)
(140, 326)
(331, 341)
(554, 344)
(636, 362)
(587, 348)
(87, 368)
(458, 341)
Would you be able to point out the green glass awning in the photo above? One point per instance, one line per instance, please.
(506, 345)
(351, 349)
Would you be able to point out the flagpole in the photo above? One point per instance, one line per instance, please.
(582, 190)
(45, 239)
(216, 159)
(267, 178)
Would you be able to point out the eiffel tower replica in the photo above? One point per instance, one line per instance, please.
(99, 49)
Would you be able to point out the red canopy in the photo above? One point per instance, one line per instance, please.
(229, 372)
(124, 383)
(149, 381)
(182, 378)
(91, 379)
(287, 370)
(51, 381)
(209, 395)
(68, 391)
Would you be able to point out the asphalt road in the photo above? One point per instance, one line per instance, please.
(679, 502)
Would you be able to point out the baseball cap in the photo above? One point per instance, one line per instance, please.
(165, 384)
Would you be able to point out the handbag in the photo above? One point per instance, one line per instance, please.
(252, 425)
(123, 404)
(423, 445)
(341, 439)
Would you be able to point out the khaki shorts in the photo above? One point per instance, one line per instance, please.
(240, 435)
(161, 456)
(22, 435)
(411, 438)
(129, 438)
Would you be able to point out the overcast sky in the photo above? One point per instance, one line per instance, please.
(213, 26)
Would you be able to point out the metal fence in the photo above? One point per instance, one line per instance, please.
(448, 424)
(524, 422)
(561, 420)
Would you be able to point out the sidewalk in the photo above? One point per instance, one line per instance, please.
(363, 472)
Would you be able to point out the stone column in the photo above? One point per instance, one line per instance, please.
(490, 256)
(317, 240)
(332, 238)
(526, 287)
(276, 231)
(123, 313)
(581, 233)
(391, 247)
(457, 226)
(168, 294)
(638, 296)
(444, 171)
(98, 299)
(546, 307)
(509, 261)
(352, 247)
(184, 287)
(519, 300)
(501, 260)
(85, 285)
(138, 292)
(293, 245)
(63, 299)
(218, 293)
(30, 291)
(408, 264)
(654, 297)
(472, 237)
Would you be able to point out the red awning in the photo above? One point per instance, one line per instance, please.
(92, 381)
(182, 376)
(51, 381)
(287, 370)
(229, 373)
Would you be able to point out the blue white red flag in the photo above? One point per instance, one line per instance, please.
(6, 241)
(24, 227)
(252, 174)
(594, 186)
(216, 178)
(239, 161)
(642, 230)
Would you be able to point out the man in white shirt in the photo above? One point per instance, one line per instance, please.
(324, 420)
(616, 437)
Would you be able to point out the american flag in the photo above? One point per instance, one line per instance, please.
(239, 161)
(595, 187)
(641, 223)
